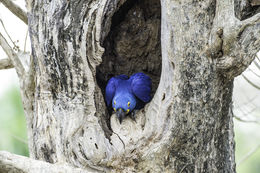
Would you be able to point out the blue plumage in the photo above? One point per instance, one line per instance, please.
(127, 94)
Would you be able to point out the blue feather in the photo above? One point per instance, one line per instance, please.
(111, 87)
(141, 86)
(128, 93)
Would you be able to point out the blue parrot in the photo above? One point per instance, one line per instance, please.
(128, 94)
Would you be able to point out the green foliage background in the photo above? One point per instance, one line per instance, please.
(247, 141)
(13, 136)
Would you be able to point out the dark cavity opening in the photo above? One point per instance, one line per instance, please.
(133, 43)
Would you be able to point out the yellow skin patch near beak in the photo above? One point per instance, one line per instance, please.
(127, 111)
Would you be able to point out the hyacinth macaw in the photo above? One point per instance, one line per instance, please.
(128, 94)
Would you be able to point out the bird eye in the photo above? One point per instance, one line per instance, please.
(115, 109)
(128, 104)
(127, 111)
(114, 102)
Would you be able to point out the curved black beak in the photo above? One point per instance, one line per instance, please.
(120, 115)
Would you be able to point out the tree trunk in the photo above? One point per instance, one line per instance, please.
(192, 50)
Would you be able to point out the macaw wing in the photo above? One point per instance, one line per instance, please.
(111, 87)
(141, 86)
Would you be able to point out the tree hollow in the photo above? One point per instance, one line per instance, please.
(133, 43)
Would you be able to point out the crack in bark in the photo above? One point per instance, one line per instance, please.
(120, 139)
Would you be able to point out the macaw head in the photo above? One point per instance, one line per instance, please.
(123, 105)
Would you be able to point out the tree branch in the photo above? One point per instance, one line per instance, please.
(243, 38)
(20, 164)
(12, 55)
(257, 65)
(15, 46)
(5, 64)
(245, 121)
(16, 10)
(253, 71)
(251, 83)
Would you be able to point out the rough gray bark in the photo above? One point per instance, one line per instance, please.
(246, 8)
(187, 127)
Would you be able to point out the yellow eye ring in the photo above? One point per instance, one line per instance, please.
(127, 111)
(128, 104)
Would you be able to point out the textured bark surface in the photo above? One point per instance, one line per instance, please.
(14, 163)
(246, 8)
(187, 127)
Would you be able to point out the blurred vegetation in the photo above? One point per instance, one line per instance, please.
(247, 141)
(13, 137)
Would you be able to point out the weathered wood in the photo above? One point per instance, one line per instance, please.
(12, 56)
(246, 8)
(6, 64)
(18, 164)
